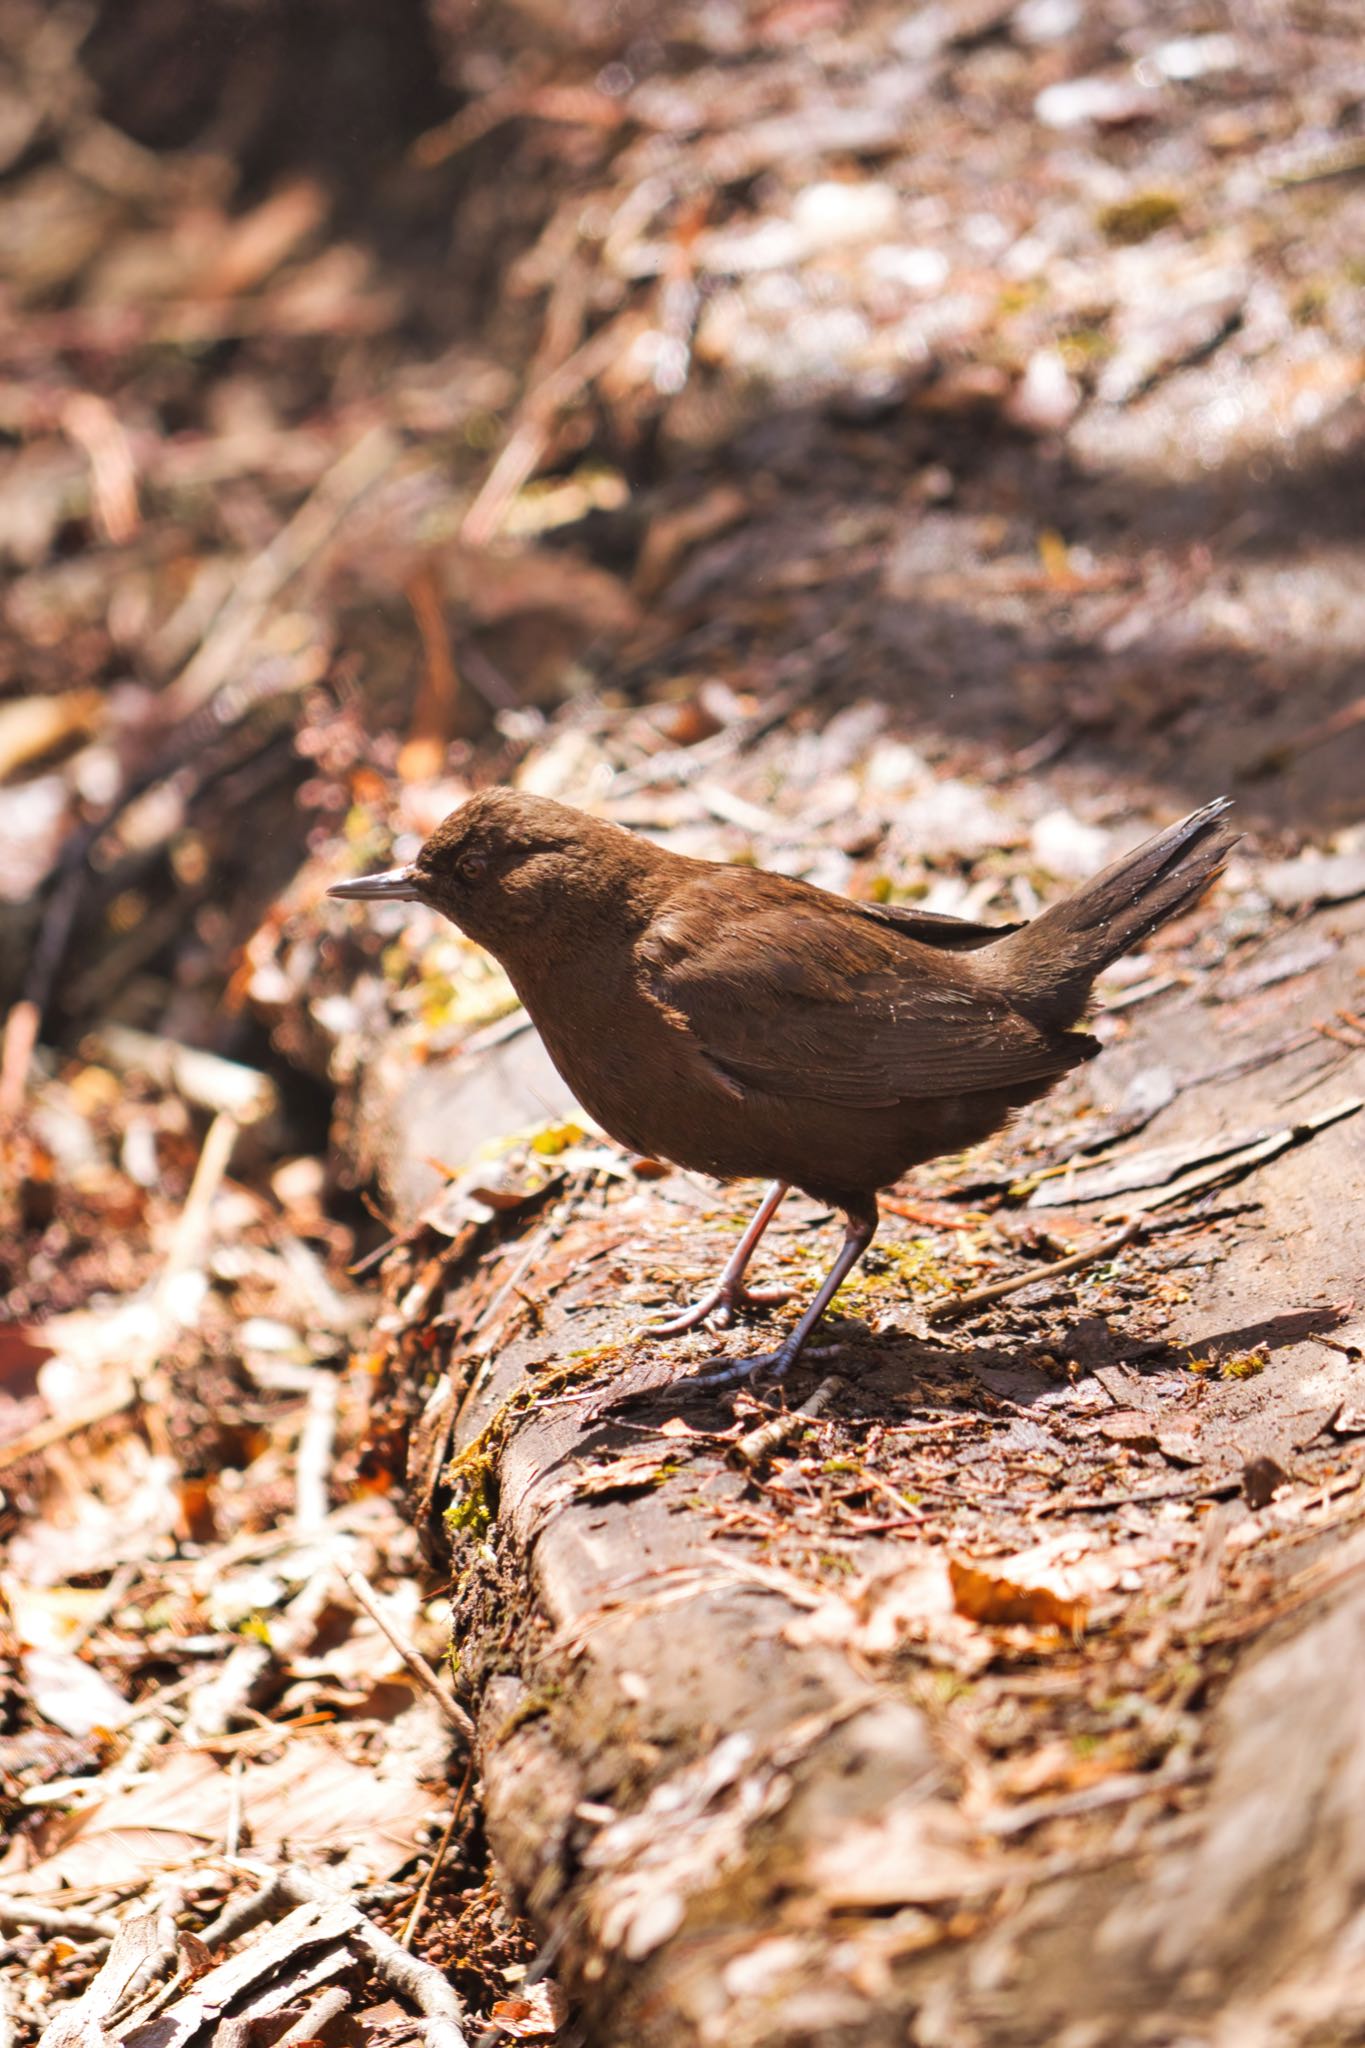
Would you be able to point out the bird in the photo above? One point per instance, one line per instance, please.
(749, 1025)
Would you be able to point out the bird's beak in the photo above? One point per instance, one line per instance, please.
(393, 883)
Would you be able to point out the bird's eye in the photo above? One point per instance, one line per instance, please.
(472, 865)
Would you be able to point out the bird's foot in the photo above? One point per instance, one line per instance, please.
(774, 1364)
(726, 1300)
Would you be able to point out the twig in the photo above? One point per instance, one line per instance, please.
(191, 1230)
(94, 425)
(578, 105)
(310, 2025)
(1118, 1791)
(432, 726)
(256, 589)
(153, 1705)
(752, 1449)
(21, 1036)
(313, 1465)
(1202, 1582)
(428, 1989)
(950, 1306)
(232, 1832)
(419, 1903)
(121, 1582)
(17, 1913)
(530, 434)
(410, 1654)
(187, 1249)
(44, 1434)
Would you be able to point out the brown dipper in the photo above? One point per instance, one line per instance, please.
(743, 1024)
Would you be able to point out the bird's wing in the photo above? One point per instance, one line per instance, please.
(796, 999)
(935, 928)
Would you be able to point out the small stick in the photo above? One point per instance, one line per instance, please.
(187, 1248)
(311, 2024)
(208, 1178)
(428, 1989)
(44, 1434)
(419, 1903)
(949, 1307)
(313, 1465)
(530, 434)
(121, 1582)
(432, 726)
(1116, 1791)
(17, 1913)
(410, 1654)
(252, 593)
(751, 1450)
(232, 1833)
(21, 1036)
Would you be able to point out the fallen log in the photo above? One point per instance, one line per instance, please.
(699, 1804)
(880, 1722)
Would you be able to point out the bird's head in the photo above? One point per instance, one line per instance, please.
(504, 862)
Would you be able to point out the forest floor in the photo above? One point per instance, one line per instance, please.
(916, 451)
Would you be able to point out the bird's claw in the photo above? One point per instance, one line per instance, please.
(776, 1364)
(725, 1302)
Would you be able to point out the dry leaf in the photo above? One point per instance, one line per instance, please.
(540, 2010)
(314, 1796)
(70, 1693)
(1130, 1427)
(634, 1472)
(989, 1595)
(1051, 1584)
(882, 1613)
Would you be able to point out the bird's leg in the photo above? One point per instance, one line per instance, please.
(862, 1228)
(729, 1293)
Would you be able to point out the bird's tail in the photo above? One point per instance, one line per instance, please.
(1048, 966)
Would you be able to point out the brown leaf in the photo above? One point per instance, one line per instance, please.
(634, 1472)
(315, 1795)
(1053, 1583)
(984, 1593)
(1179, 1444)
(541, 2010)
(1131, 1428)
(1262, 1479)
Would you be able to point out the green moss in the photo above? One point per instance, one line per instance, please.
(1243, 1365)
(915, 1266)
(470, 1471)
(473, 1514)
(1135, 219)
(1082, 347)
(1020, 297)
(1311, 303)
(533, 1708)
